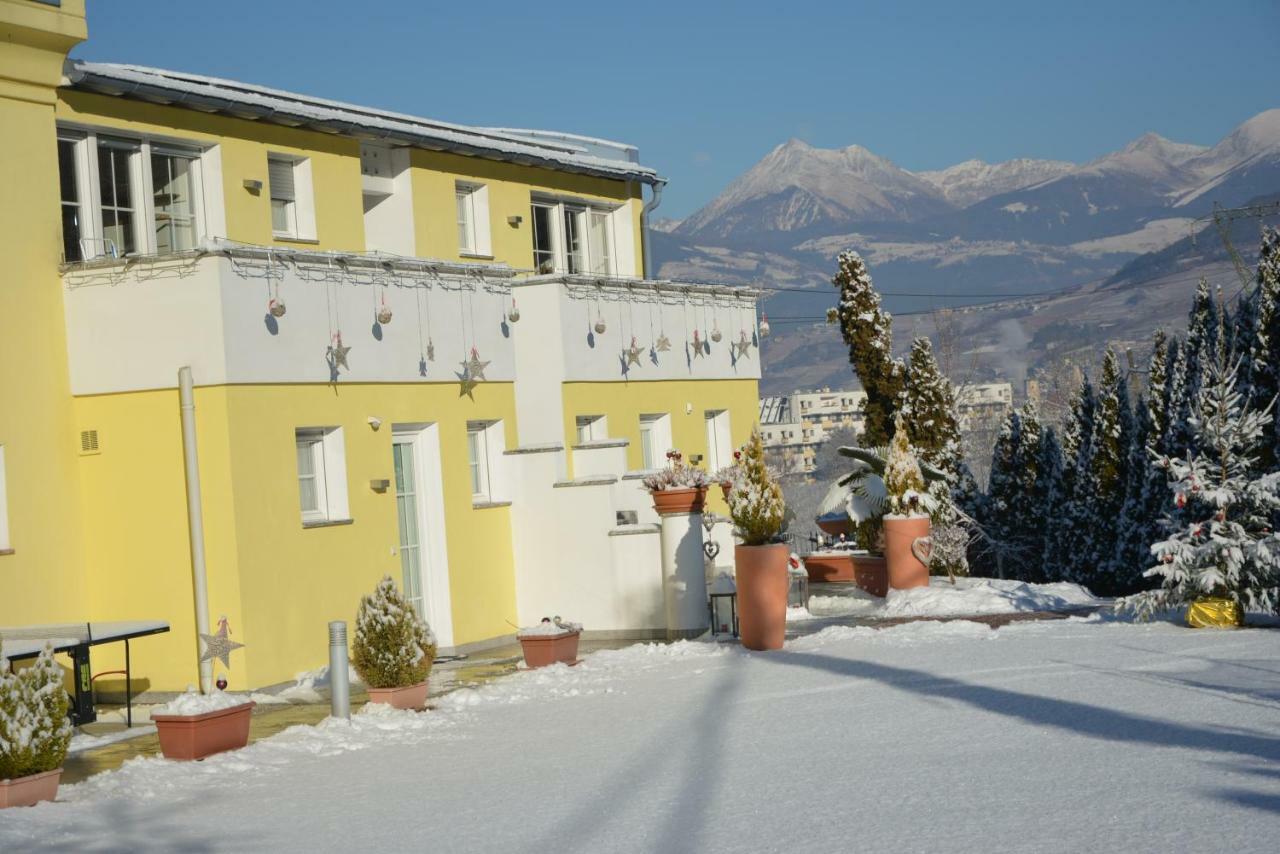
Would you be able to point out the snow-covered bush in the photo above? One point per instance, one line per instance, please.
(393, 646)
(730, 473)
(755, 501)
(903, 479)
(1223, 545)
(677, 475)
(34, 730)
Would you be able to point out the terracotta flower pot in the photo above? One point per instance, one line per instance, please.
(725, 488)
(905, 569)
(866, 571)
(198, 736)
(763, 583)
(411, 697)
(834, 525)
(669, 501)
(541, 650)
(30, 790)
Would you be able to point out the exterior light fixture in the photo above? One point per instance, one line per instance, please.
(723, 605)
(253, 185)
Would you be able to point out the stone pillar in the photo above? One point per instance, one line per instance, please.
(684, 580)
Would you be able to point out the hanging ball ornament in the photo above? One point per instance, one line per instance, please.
(384, 314)
(600, 327)
(276, 307)
(833, 316)
(221, 683)
(715, 335)
(764, 326)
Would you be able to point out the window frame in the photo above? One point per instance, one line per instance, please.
(86, 145)
(719, 438)
(327, 449)
(655, 439)
(562, 255)
(302, 209)
(596, 428)
(6, 542)
(486, 443)
(472, 200)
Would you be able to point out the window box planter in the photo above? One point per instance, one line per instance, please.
(542, 650)
(905, 568)
(197, 736)
(763, 583)
(867, 571)
(411, 697)
(673, 501)
(30, 790)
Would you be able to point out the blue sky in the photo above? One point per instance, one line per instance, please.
(707, 88)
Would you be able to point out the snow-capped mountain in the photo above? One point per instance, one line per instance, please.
(974, 180)
(798, 187)
(1246, 162)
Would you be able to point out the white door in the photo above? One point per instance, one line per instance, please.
(424, 567)
(409, 515)
(719, 445)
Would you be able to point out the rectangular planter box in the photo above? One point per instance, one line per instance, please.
(198, 736)
(30, 790)
(541, 650)
(869, 572)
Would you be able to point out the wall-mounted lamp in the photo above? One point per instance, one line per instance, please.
(514, 220)
(381, 484)
(375, 422)
(688, 409)
(253, 185)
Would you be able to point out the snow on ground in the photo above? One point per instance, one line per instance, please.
(968, 597)
(1079, 734)
(82, 741)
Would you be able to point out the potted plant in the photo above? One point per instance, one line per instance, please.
(549, 642)
(758, 510)
(194, 725)
(906, 525)
(393, 649)
(34, 731)
(678, 488)
(730, 473)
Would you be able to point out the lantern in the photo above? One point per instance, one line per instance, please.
(798, 590)
(723, 604)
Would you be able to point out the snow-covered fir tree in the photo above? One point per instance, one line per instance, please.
(1198, 352)
(1175, 391)
(1069, 536)
(1113, 434)
(1157, 387)
(868, 332)
(1047, 499)
(1004, 492)
(34, 729)
(1139, 522)
(393, 648)
(929, 408)
(755, 502)
(903, 481)
(1262, 350)
(1227, 548)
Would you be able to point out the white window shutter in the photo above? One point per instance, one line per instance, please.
(280, 175)
(480, 210)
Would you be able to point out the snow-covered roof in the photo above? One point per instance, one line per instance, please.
(563, 152)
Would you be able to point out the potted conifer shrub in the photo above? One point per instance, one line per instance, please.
(34, 731)
(678, 488)
(393, 649)
(757, 509)
(906, 525)
(194, 726)
(549, 642)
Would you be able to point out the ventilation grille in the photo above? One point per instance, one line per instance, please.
(89, 442)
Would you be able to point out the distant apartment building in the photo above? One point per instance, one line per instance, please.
(794, 426)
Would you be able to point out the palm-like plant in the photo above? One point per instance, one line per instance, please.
(860, 494)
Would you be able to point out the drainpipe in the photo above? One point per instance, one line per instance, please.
(649, 207)
(195, 518)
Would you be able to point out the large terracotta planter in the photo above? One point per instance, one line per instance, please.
(835, 524)
(30, 790)
(866, 571)
(669, 501)
(541, 650)
(412, 697)
(198, 736)
(905, 569)
(763, 582)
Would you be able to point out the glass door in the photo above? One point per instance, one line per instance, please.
(410, 531)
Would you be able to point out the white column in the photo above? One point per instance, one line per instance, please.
(684, 581)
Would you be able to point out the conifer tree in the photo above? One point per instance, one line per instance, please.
(1015, 515)
(1109, 465)
(1140, 515)
(929, 408)
(867, 330)
(1175, 393)
(1004, 493)
(1157, 387)
(393, 647)
(1198, 349)
(1068, 539)
(1262, 369)
(1047, 499)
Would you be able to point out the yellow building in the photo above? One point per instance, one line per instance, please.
(416, 349)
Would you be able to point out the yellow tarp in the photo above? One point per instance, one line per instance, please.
(1215, 613)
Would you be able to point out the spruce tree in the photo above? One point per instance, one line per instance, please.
(1175, 393)
(1157, 387)
(1068, 540)
(1047, 499)
(1198, 349)
(1262, 369)
(1004, 493)
(1109, 466)
(929, 409)
(867, 330)
(1139, 521)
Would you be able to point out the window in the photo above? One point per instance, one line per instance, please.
(655, 439)
(472, 203)
(322, 475)
(128, 196)
(592, 428)
(573, 238)
(719, 445)
(485, 444)
(284, 195)
(4, 508)
(69, 179)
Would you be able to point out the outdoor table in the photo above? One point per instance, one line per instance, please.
(76, 639)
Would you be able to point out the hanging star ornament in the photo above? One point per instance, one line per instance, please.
(697, 345)
(664, 343)
(431, 350)
(466, 383)
(338, 351)
(219, 645)
(475, 367)
(743, 346)
(633, 353)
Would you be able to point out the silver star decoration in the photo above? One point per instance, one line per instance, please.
(431, 351)
(633, 353)
(743, 346)
(338, 353)
(475, 367)
(664, 343)
(219, 646)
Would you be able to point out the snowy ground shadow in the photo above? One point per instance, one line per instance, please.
(1068, 715)
(700, 742)
(123, 825)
